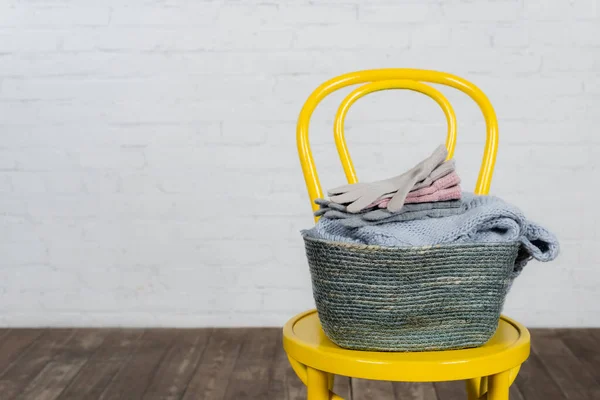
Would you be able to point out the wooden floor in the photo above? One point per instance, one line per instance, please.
(238, 364)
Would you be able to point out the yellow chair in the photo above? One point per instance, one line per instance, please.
(488, 370)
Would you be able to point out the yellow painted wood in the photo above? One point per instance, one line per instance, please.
(301, 372)
(513, 374)
(318, 385)
(498, 386)
(331, 381)
(478, 387)
(338, 124)
(306, 159)
(474, 387)
(306, 343)
(299, 369)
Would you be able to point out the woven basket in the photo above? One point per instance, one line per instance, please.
(410, 299)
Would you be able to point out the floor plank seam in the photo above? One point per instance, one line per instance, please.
(351, 390)
(22, 352)
(550, 374)
(208, 338)
(82, 367)
(123, 364)
(237, 357)
(584, 362)
(172, 343)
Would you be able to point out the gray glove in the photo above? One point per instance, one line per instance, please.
(361, 195)
(442, 170)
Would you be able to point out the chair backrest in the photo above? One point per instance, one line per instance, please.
(385, 79)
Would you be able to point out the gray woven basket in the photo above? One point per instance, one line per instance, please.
(410, 299)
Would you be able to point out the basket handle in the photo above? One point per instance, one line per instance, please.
(306, 159)
(338, 125)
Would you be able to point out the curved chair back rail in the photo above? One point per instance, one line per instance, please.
(340, 118)
(392, 76)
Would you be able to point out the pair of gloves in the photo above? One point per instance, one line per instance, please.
(359, 196)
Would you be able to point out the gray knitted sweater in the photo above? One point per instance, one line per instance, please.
(484, 219)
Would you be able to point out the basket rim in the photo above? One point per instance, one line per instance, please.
(362, 246)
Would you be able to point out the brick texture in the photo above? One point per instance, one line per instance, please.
(148, 168)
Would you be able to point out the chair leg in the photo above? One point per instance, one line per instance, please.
(318, 384)
(498, 386)
(476, 387)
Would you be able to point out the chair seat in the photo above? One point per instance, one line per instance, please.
(305, 342)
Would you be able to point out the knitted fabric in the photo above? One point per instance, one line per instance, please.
(445, 182)
(408, 212)
(442, 177)
(452, 193)
(483, 219)
(445, 168)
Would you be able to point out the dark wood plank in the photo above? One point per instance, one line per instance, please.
(135, 376)
(284, 384)
(67, 362)
(14, 342)
(414, 391)
(457, 390)
(103, 365)
(216, 365)
(342, 386)
(83, 343)
(372, 390)
(585, 345)
(176, 369)
(417, 390)
(246, 363)
(453, 390)
(250, 377)
(33, 361)
(52, 380)
(574, 379)
(594, 333)
(535, 383)
(515, 393)
(3, 332)
(294, 388)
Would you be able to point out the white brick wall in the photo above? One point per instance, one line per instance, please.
(148, 170)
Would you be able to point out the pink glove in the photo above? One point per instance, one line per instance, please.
(452, 193)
